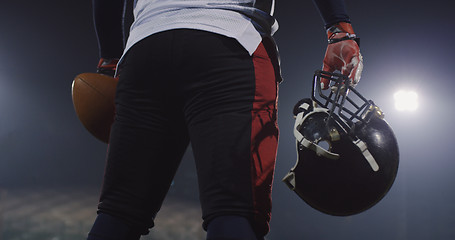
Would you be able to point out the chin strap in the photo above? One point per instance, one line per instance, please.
(370, 159)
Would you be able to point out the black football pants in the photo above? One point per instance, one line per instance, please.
(184, 86)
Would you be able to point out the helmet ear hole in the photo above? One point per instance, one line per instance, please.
(325, 145)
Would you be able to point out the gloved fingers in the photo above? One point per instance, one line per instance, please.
(353, 69)
(107, 66)
(324, 81)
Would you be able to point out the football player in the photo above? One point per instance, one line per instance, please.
(203, 72)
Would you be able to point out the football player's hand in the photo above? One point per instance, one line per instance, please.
(107, 66)
(343, 53)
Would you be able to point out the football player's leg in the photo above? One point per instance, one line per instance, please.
(230, 227)
(232, 126)
(148, 139)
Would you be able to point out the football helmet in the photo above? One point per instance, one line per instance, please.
(347, 153)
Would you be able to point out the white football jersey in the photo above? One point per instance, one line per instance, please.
(248, 21)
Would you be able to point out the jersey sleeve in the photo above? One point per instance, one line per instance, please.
(332, 11)
(109, 17)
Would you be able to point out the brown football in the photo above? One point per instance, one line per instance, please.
(93, 99)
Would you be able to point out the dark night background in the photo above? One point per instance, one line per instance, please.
(405, 44)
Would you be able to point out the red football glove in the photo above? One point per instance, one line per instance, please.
(107, 66)
(343, 53)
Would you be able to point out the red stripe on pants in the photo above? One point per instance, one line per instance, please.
(264, 136)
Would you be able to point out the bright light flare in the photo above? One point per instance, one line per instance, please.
(406, 100)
